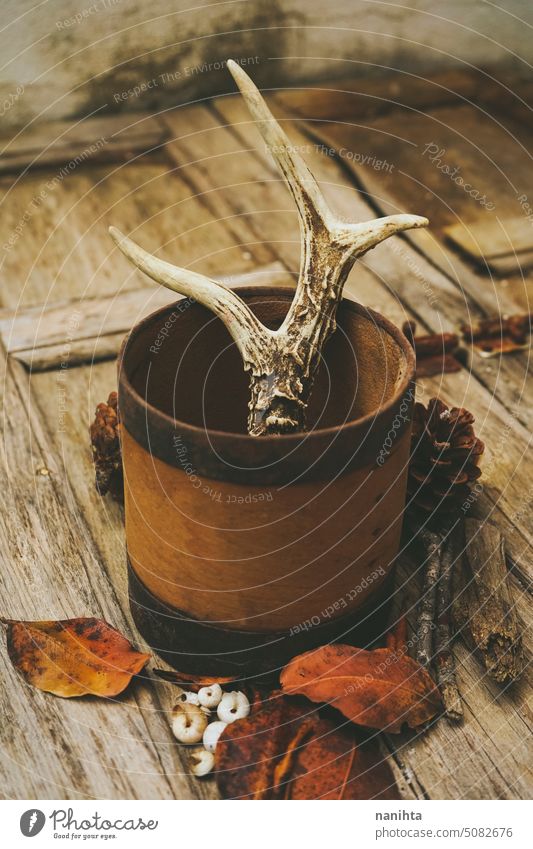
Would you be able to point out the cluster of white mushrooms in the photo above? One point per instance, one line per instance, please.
(191, 721)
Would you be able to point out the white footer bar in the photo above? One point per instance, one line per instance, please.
(263, 826)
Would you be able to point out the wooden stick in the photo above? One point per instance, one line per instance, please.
(444, 659)
(427, 608)
(434, 636)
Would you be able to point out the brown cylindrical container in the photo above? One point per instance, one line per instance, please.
(244, 551)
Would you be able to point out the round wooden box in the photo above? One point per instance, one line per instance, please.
(244, 551)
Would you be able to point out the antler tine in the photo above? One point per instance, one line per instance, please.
(247, 331)
(299, 179)
(359, 238)
(326, 256)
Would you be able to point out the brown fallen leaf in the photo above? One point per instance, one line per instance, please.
(380, 689)
(286, 751)
(333, 765)
(73, 657)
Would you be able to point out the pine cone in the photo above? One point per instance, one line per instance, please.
(445, 454)
(105, 441)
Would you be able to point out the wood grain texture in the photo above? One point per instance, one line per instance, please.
(503, 245)
(217, 204)
(71, 332)
(108, 138)
(58, 247)
(483, 606)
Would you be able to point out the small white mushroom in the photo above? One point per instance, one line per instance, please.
(201, 762)
(188, 697)
(188, 723)
(209, 697)
(212, 733)
(233, 706)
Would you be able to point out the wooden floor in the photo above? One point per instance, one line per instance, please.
(197, 185)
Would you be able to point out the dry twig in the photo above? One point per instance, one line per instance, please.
(444, 659)
(434, 635)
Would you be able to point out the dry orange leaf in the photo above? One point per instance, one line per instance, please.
(284, 750)
(73, 657)
(380, 689)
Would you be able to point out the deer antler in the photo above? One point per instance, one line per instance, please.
(282, 363)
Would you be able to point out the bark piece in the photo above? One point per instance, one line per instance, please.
(484, 610)
(434, 631)
(428, 601)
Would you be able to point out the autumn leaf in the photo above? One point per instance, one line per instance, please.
(380, 689)
(333, 765)
(73, 657)
(285, 751)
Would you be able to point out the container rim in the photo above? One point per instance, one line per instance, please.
(286, 438)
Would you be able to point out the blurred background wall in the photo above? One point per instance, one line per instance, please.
(64, 58)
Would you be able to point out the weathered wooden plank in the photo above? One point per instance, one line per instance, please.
(434, 157)
(54, 748)
(223, 174)
(505, 246)
(108, 138)
(457, 159)
(63, 251)
(406, 159)
(71, 332)
(412, 183)
(367, 97)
